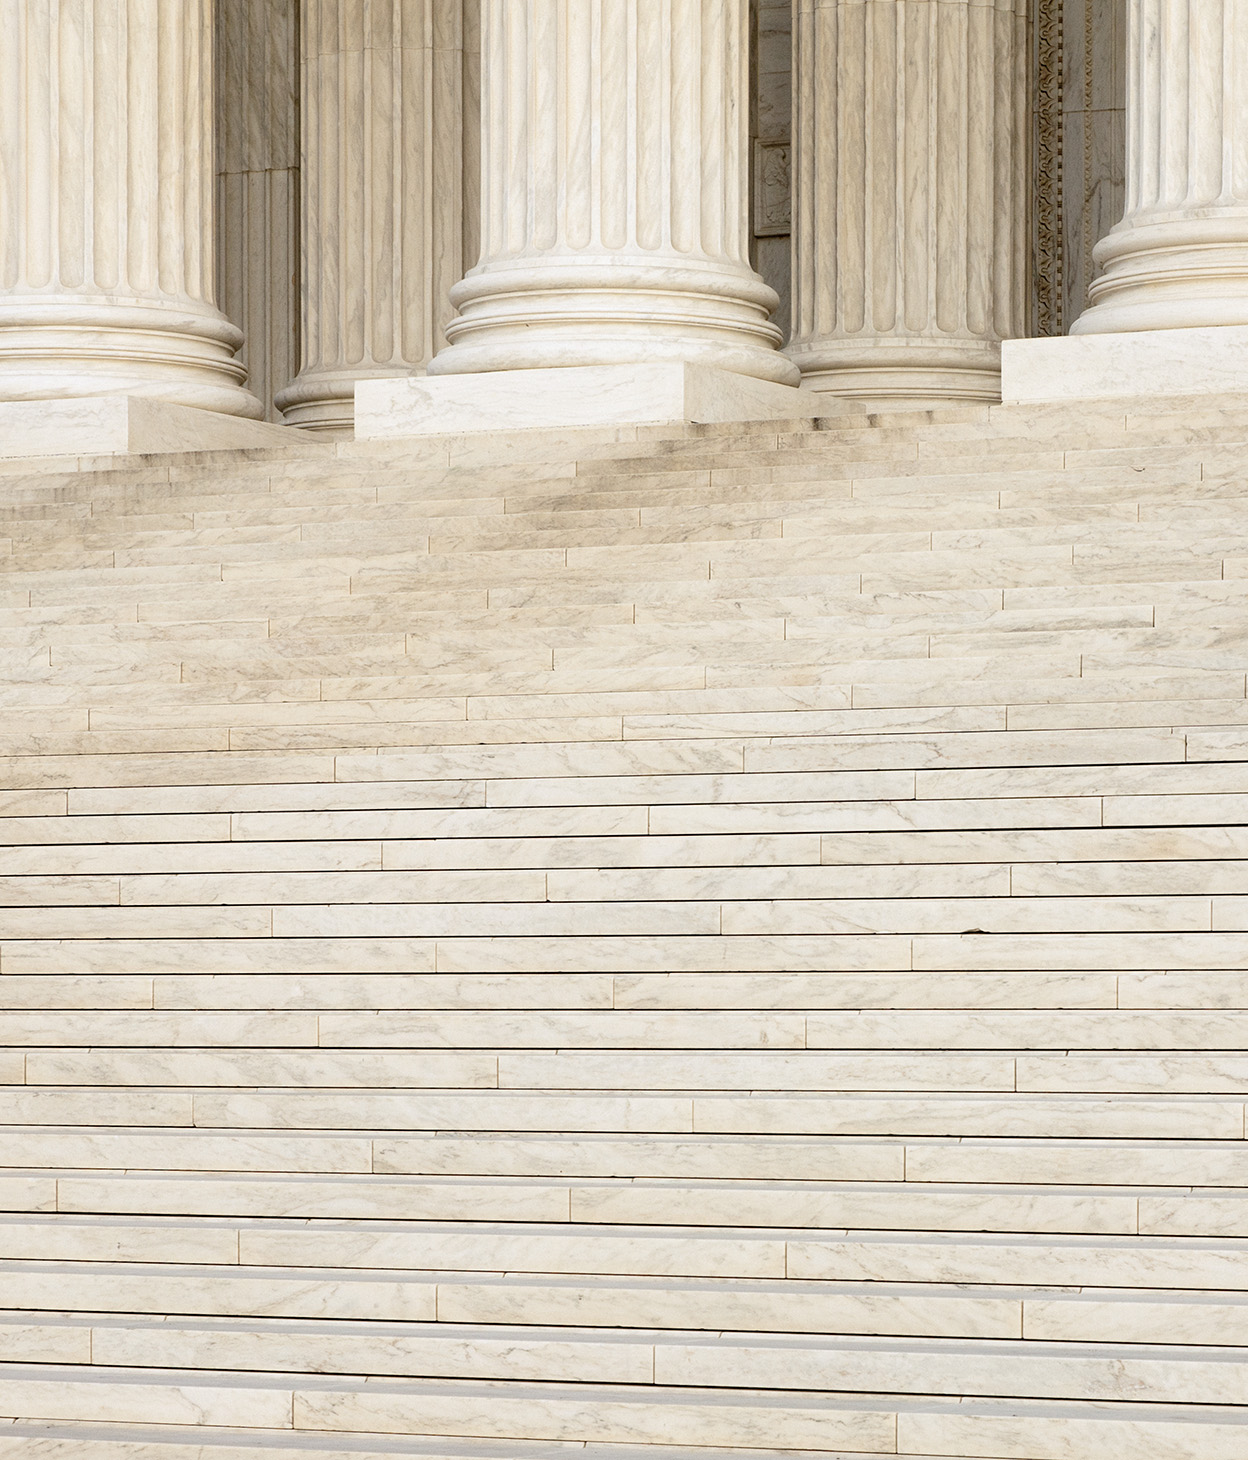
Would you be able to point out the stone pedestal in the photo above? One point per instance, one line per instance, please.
(614, 193)
(1179, 258)
(127, 425)
(106, 158)
(1209, 361)
(382, 189)
(660, 393)
(909, 196)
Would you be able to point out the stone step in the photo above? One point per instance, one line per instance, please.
(1119, 858)
(990, 1161)
(1196, 992)
(686, 510)
(668, 1357)
(839, 1422)
(1195, 1073)
(1176, 1318)
(430, 729)
(526, 921)
(660, 882)
(201, 950)
(84, 1441)
(650, 770)
(1008, 1261)
(667, 1043)
(977, 1113)
(887, 1203)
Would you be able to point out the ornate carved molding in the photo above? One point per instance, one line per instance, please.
(1048, 263)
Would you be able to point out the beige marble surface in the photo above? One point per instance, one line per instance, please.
(124, 425)
(1155, 362)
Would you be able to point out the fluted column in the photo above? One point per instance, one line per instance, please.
(382, 190)
(1179, 258)
(614, 192)
(909, 195)
(106, 184)
(258, 185)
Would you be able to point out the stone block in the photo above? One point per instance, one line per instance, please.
(586, 395)
(1163, 362)
(126, 425)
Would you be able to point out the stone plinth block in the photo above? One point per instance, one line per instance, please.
(1138, 363)
(586, 395)
(127, 425)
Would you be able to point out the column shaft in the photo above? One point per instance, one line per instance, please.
(614, 192)
(258, 185)
(1179, 258)
(910, 202)
(106, 184)
(382, 189)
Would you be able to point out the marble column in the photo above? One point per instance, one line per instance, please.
(106, 187)
(382, 196)
(258, 186)
(1179, 258)
(909, 196)
(615, 180)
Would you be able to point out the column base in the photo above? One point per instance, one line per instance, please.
(324, 401)
(68, 347)
(1207, 361)
(578, 395)
(891, 373)
(108, 425)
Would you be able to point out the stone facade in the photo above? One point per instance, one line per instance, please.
(866, 196)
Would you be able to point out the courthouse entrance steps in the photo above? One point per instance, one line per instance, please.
(638, 943)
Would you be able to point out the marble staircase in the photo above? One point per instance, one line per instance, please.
(630, 944)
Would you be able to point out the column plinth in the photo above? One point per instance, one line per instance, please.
(106, 158)
(1179, 258)
(909, 196)
(614, 193)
